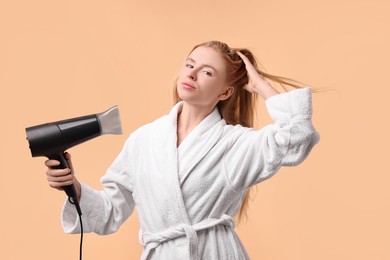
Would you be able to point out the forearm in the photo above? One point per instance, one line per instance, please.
(90, 205)
(256, 155)
(265, 90)
(103, 211)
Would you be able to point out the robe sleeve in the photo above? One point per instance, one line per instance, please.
(255, 155)
(104, 211)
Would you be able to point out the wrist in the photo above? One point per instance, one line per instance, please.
(265, 90)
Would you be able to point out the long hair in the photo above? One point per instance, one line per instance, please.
(240, 107)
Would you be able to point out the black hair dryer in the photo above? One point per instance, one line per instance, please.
(53, 139)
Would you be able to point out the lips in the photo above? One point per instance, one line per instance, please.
(187, 85)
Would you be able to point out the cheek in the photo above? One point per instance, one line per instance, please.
(215, 86)
(182, 72)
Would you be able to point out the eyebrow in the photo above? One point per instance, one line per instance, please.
(203, 65)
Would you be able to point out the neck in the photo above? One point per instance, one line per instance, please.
(189, 117)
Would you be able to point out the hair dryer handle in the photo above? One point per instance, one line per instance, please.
(69, 189)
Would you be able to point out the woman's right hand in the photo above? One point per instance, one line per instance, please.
(58, 178)
(257, 83)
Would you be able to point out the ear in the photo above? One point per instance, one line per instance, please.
(227, 93)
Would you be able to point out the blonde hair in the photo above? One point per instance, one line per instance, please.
(240, 107)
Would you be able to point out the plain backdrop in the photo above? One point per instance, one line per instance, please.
(62, 59)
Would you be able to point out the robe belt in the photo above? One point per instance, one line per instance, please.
(153, 240)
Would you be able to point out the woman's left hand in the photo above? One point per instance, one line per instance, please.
(256, 83)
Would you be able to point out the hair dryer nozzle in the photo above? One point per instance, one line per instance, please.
(110, 122)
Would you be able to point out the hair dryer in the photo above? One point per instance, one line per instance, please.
(53, 139)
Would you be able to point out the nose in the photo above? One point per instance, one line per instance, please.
(192, 74)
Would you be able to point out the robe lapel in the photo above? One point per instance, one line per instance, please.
(198, 143)
(164, 175)
(172, 165)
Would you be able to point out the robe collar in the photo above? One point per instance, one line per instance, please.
(175, 165)
(198, 142)
(206, 124)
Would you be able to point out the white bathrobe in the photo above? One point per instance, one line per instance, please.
(186, 196)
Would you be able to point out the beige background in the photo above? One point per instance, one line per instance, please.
(62, 59)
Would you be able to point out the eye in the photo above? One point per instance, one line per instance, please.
(208, 73)
(189, 66)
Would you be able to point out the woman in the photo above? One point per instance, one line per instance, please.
(188, 172)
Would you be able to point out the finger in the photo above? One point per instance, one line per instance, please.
(52, 163)
(59, 185)
(59, 179)
(244, 59)
(58, 172)
(68, 158)
(248, 65)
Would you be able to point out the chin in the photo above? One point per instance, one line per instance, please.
(183, 94)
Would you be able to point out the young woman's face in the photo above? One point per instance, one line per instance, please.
(202, 78)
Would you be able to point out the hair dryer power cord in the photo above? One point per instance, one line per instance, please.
(75, 202)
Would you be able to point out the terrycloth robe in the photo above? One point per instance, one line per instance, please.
(186, 196)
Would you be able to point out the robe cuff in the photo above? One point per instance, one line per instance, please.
(290, 104)
(89, 205)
